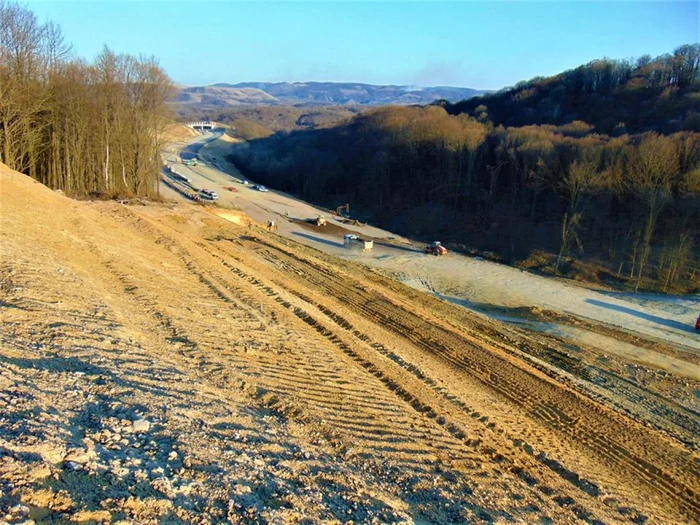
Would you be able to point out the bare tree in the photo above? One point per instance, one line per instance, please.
(579, 180)
(650, 173)
(73, 125)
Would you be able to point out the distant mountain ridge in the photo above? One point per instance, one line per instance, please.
(321, 93)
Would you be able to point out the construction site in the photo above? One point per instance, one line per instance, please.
(178, 363)
(268, 290)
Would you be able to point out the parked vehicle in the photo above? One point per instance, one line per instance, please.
(436, 248)
(261, 188)
(209, 194)
(354, 241)
(697, 324)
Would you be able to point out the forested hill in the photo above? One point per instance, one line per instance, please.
(613, 96)
(623, 207)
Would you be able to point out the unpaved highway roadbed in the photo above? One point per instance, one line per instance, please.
(162, 364)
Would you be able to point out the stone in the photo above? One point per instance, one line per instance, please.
(19, 510)
(142, 425)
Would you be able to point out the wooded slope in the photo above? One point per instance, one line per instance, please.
(614, 96)
(627, 204)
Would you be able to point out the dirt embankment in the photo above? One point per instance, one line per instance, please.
(176, 132)
(160, 363)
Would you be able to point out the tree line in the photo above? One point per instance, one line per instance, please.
(615, 96)
(88, 128)
(630, 204)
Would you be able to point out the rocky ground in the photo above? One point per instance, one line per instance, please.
(160, 364)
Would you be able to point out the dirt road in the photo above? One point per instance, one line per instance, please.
(160, 363)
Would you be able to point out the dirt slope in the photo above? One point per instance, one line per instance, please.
(162, 364)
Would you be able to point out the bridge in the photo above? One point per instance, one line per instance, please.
(204, 124)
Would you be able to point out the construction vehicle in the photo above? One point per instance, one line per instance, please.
(353, 241)
(435, 248)
(209, 194)
(318, 221)
(343, 211)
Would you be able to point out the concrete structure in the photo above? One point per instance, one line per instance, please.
(205, 124)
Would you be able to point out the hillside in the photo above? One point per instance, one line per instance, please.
(221, 96)
(613, 96)
(547, 193)
(315, 93)
(355, 93)
(160, 363)
(253, 122)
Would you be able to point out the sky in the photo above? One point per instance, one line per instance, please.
(483, 45)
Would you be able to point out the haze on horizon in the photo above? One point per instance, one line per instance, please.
(482, 45)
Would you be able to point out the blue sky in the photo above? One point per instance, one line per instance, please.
(484, 45)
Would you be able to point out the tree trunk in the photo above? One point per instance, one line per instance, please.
(564, 241)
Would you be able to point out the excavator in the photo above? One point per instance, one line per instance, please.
(343, 211)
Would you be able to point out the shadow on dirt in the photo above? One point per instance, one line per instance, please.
(398, 247)
(647, 317)
(318, 239)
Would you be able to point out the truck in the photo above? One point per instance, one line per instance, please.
(353, 241)
(209, 194)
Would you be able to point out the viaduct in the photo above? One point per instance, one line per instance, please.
(205, 124)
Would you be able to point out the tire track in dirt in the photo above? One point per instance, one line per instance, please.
(684, 421)
(423, 408)
(491, 374)
(653, 409)
(74, 341)
(393, 385)
(542, 411)
(180, 336)
(558, 497)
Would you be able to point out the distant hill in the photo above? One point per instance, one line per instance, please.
(222, 96)
(317, 93)
(614, 97)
